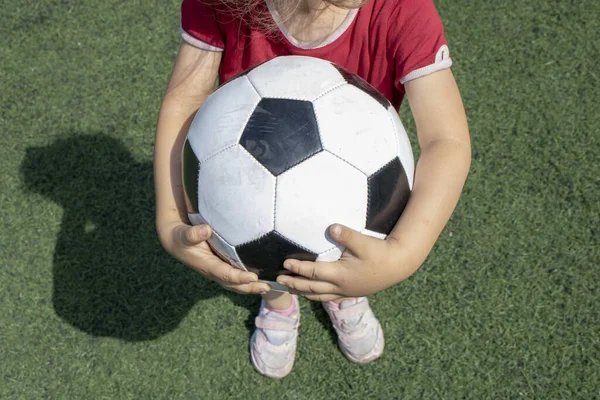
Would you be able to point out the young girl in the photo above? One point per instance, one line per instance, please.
(396, 45)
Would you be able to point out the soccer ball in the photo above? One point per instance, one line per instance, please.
(278, 154)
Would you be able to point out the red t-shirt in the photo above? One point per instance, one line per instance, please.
(386, 42)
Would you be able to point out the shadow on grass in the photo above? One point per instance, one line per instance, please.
(321, 316)
(111, 276)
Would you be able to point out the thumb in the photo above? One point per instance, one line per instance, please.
(194, 235)
(352, 240)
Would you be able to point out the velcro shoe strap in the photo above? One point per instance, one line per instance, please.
(264, 323)
(352, 311)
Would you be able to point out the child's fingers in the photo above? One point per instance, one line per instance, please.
(319, 297)
(194, 235)
(352, 240)
(212, 267)
(249, 288)
(228, 275)
(237, 280)
(307, 286)
(315, 270)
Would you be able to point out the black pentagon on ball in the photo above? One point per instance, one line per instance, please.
(281, 133)
(388, 194)
(265, 256)
(363, 85)
(190, 168)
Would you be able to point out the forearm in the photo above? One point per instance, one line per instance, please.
(191, 82)
(173, 123)
(440, 176)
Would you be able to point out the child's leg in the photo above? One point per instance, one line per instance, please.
(278, 300)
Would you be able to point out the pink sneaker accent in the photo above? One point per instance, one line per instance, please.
(360, 336)
(273, 344)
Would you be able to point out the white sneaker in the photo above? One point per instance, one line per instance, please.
(360, 336)
(273, 344)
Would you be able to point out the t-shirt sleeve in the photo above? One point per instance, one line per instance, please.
(200, 26)
(417, 40)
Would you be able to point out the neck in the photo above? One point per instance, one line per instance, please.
(313, 6)
(310, 20)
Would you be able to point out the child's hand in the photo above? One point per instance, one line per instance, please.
(188, 244)
(367, 266)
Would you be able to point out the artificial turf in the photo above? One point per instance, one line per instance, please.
(91, 307)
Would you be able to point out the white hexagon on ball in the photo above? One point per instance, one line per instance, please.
(293, 77)
(240, 202)
(220, 121)
(315, 194)
(357, 128)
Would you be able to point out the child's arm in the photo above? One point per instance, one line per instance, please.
(192, 80)
(370, 265)
(442, 167)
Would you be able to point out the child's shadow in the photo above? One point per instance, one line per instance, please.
(111, 276)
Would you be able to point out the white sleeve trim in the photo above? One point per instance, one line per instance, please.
(197, 43)
(442, 61)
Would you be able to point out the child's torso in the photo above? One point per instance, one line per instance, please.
(355, 41)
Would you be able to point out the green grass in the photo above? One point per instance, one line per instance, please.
(505, 307)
